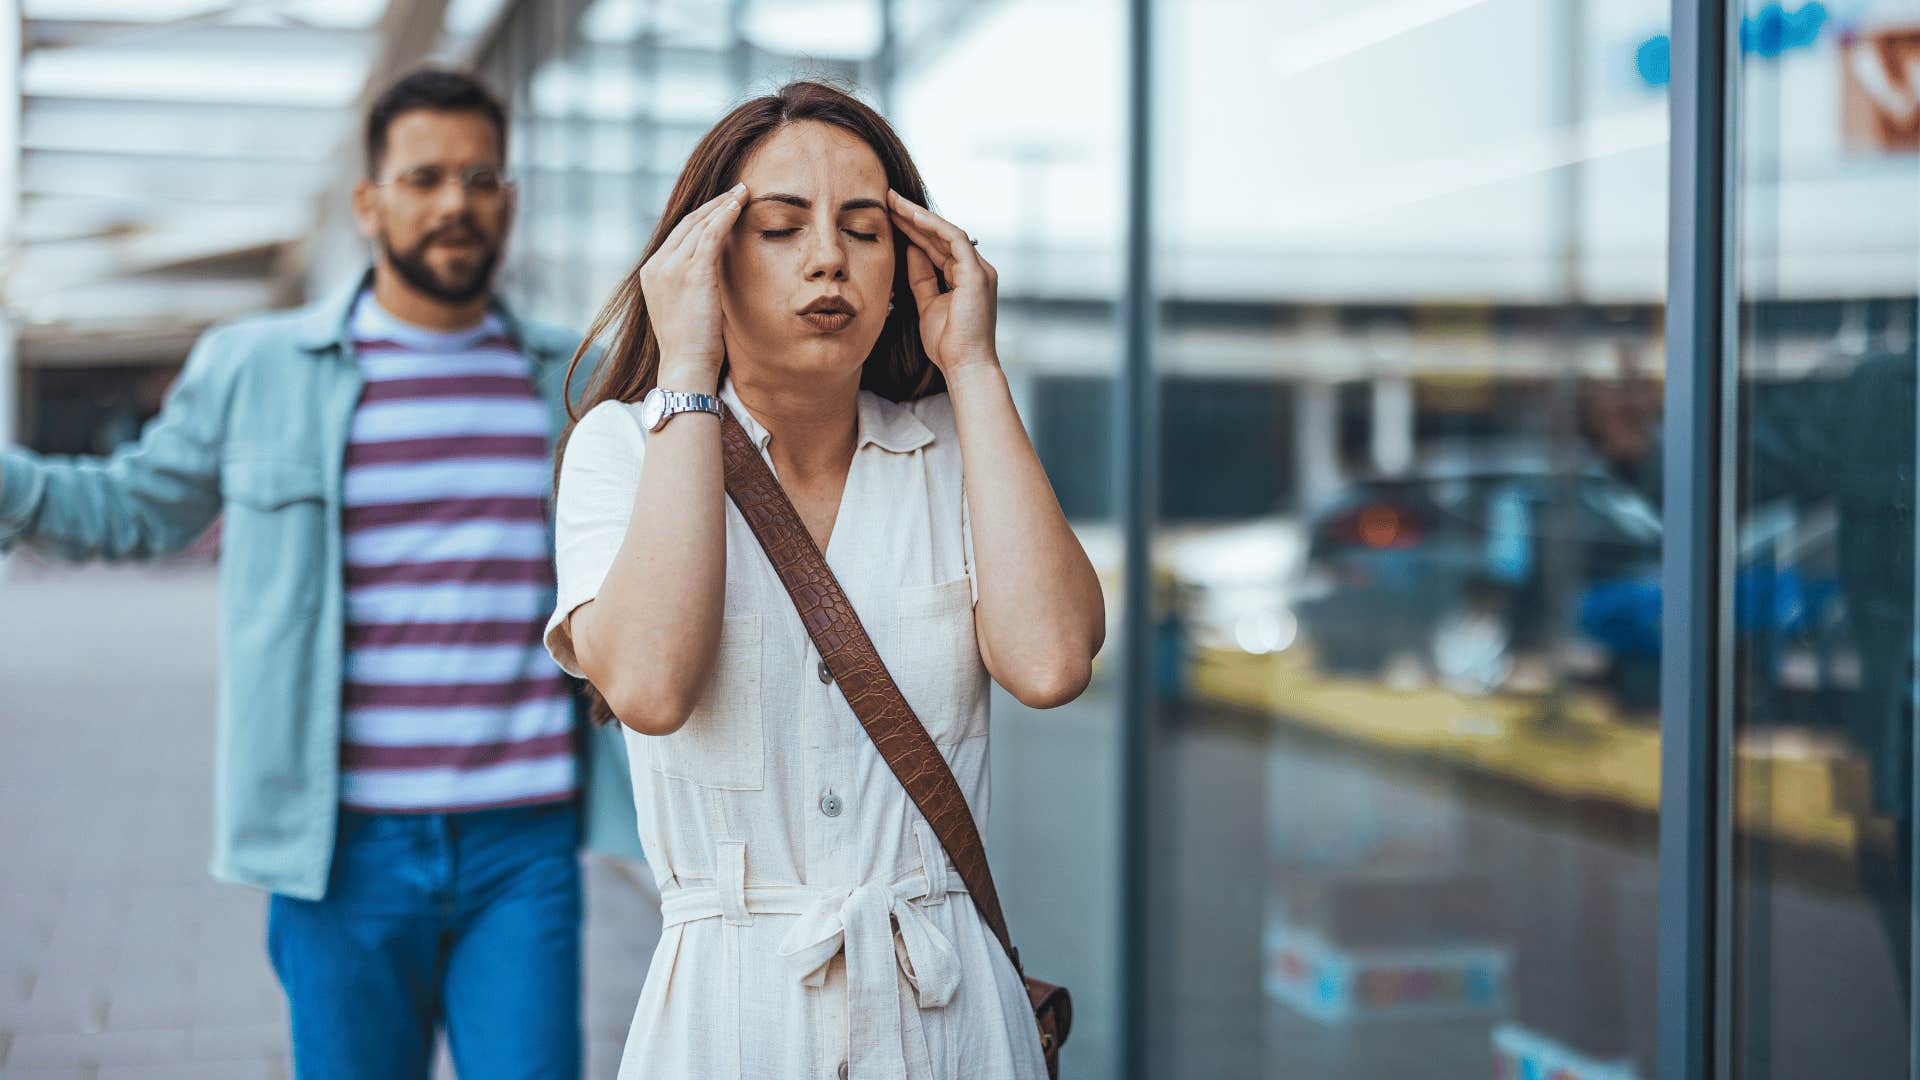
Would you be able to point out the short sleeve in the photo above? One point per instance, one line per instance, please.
(599, 477)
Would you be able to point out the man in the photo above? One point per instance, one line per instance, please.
(399, 761)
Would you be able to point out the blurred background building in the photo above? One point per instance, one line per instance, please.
(1369, 781)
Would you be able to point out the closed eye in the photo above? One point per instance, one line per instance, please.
(777, 234)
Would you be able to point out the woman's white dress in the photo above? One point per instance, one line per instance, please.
(813, 925)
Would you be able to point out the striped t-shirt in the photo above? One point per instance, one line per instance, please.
(451, 701)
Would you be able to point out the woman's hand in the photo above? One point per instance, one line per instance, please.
(681, 283)
(956, 326)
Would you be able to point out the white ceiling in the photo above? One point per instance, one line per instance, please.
(180, 161)
(172, 153)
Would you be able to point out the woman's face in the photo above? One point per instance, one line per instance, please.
(815, 225)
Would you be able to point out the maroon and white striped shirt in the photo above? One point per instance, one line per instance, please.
(451, 700)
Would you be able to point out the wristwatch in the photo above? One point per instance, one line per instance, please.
(659, 406)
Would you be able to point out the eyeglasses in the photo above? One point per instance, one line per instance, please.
(479, 181)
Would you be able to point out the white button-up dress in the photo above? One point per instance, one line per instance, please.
(814, 927)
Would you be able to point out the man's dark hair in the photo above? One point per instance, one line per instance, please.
(439, 90)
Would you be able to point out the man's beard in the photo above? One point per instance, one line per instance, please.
(412, 266)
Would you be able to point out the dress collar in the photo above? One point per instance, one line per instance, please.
(890, 425)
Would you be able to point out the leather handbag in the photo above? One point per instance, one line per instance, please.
(883, 711)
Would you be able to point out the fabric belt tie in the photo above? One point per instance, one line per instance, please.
(859, 920)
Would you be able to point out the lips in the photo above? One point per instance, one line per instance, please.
(827, 313)
(455, 237)
(828, 320)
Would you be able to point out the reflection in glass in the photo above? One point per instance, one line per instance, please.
(1411, 292)
(1823, 589)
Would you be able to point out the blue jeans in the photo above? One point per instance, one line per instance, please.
(469, 919)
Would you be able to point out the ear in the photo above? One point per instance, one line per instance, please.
(366, 208)
(509, 209)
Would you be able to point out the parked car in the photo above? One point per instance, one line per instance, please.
(1477, 557)
(1480, 557)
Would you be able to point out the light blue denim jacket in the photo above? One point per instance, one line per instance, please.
(255, 430)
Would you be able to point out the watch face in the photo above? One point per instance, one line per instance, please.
(651, 408)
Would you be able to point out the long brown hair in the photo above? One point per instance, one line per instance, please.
(897, 368)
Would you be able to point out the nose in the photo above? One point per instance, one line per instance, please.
(451, 198)
(827, 257)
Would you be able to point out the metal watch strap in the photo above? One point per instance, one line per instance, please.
(679, 401)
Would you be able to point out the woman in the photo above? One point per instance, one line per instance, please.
(798, 276)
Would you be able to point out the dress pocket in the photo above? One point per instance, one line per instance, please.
(932, 654)
(723, 744)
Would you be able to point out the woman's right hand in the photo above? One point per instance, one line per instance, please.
(681, 283)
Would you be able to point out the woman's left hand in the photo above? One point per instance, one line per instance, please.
(956, 326)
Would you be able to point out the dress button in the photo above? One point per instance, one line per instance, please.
(825, 675)
(830, 804)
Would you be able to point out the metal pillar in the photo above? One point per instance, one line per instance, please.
(1136, 459)
(1694, 707)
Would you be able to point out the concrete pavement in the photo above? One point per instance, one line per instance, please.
(121, 957)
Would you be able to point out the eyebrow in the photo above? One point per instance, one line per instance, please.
(805, 203)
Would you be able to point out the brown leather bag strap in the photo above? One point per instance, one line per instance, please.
(856, 667)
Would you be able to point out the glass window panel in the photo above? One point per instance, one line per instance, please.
(1822, 640)
(1410, 273)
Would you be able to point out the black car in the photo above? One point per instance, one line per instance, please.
(1474, 557)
